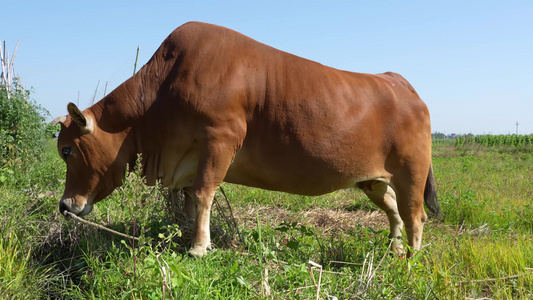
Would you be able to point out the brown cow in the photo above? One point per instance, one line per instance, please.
(213, 105)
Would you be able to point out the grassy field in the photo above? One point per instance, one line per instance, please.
(284, 247)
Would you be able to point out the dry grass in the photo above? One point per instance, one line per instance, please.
(327, 220)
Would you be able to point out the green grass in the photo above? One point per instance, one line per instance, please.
(482, 248)
(13, 263)
(483, 186)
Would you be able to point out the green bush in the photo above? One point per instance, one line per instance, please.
(22, 130)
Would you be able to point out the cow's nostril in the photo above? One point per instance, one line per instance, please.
(62, 207)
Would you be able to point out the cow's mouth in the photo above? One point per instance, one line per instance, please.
(70, 205)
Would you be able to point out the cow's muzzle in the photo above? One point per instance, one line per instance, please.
(70, 205)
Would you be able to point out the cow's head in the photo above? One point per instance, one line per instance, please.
(91, 155)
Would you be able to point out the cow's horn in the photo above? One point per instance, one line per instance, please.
(85, 122)
(58, 120)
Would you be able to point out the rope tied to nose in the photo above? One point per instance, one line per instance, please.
(75, 217)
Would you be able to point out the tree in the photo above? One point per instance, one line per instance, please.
(438, 135)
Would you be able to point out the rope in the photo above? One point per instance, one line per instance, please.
(69, 214)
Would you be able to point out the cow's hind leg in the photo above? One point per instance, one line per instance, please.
(410, 199)
(385, 198)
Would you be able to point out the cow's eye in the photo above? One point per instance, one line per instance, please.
(66, 152)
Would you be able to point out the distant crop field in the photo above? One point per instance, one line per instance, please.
(496, 140)
(283, 246)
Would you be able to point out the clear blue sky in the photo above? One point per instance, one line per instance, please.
(471, 61)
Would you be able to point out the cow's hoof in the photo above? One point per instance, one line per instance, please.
(197, 252)
(397, 249)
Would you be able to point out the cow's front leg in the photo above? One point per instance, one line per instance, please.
(212, 169)
(202, 237)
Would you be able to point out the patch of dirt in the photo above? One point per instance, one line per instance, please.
(326, 219)
(329, 219)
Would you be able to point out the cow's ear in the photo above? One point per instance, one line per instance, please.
(85, 122)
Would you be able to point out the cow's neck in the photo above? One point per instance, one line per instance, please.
(122, 107)
(120, 113)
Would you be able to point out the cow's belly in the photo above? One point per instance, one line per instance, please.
(178, 170)
(298, 173)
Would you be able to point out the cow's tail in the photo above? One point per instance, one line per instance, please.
(430, 195)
